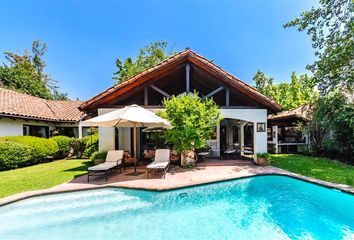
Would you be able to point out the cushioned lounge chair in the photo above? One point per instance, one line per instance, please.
(113, 160)
(161, 161)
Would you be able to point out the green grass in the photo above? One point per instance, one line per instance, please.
(315, 167)
(41, 176)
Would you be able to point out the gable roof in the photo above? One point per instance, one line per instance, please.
(15, 104)
(186, 55)
(303, 113)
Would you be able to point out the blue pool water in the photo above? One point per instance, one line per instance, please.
(264, 207)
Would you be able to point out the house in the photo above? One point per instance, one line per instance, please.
(284, 133)
(244, 109)
(22, 114)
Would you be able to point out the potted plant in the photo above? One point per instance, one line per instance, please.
(193, 119)
(262, 159)
(98, 157)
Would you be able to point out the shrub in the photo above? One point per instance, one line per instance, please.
(77, 147)
(21, 151)
(14, 155)
(98, 155)
(91, 144)
(63, 145)
(41, 148)
(193, 119)
(263, 155)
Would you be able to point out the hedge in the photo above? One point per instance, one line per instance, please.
(21, 151)
(98, 155)
(14, 155)
(63, 145)
(91, 144)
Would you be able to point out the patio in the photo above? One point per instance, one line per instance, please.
(208, 171)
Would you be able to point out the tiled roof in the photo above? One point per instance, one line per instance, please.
(189, 54)
(303, 112)
(17, 104)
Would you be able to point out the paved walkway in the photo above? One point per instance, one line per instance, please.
(205, 172)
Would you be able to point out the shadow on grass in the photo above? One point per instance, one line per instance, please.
(82, 168)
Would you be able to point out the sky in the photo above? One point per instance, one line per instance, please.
(85, 38)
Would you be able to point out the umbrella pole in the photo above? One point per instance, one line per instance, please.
(134, 133)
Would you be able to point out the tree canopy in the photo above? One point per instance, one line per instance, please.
(192, 118)
(299, 91)
(148, 56)
(331, 28)
(25, 73)
(334, 112)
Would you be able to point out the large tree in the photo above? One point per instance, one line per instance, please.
(299, 91)
(148, 56)
(25, 73)
(331, 28)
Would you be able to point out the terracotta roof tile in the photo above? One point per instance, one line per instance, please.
(303, 112)
(17, 104)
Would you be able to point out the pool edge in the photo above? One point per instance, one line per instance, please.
(43, 192)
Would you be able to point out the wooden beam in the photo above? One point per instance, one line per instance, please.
(227, 100)
(146, 96)
(188, 67)
(214, 92)
(160, 91)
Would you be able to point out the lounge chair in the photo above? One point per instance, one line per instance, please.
(113, 160)
(161, 161)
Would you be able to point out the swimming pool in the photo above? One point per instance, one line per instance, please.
(263, 207)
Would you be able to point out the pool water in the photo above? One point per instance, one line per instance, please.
(263, 207)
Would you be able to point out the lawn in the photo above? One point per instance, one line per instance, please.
(315, 167)
(41, 176)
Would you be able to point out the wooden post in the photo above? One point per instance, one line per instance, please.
(146, 96)
(227, 100)
(134, 133)
(187, 78)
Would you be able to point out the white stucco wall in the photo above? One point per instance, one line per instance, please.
(107, 141)
(12, 127)
(255, 116)
(106, 134)
(9, 127)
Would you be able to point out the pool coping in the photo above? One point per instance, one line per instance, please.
(277, 172)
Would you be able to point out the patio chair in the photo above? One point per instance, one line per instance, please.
(161, 162)
(113, 160)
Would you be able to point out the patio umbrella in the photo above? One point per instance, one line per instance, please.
(129, 116)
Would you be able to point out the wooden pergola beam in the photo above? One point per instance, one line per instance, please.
(160, 91)
(212, 93)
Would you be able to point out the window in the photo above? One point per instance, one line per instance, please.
(36, 131)
(213, 135)
(68, 131)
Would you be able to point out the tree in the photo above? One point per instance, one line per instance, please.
(331, 28)
(25, 73)
(299, 91)
(149, 56)
(336, 112)
(193, 119)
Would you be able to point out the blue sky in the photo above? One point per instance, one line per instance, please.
(85, 37)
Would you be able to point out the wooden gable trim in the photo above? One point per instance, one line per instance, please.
(164, 68)
(234, 83)
(129, 85)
